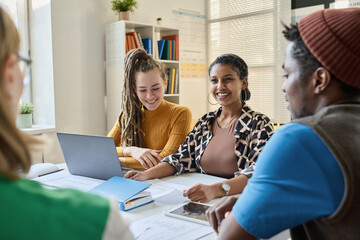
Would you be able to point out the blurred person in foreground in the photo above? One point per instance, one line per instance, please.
(29, 211)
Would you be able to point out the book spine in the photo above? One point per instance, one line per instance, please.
(173, 81)
(169, 81)
(150, 46)
(177, 81)
(127, 43)
(122, 206)
(136, 38)
(167, 52)
(140, 40)
(139, 205)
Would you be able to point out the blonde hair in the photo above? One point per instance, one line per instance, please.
(131, 117)
(14, 144)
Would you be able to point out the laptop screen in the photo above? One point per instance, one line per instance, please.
(90, 156)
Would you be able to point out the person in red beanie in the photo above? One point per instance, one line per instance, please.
(313, 186)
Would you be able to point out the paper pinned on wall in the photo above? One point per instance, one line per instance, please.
(192, 26)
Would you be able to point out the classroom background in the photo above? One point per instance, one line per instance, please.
(66, 40)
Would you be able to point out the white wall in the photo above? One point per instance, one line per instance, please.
(79, 73)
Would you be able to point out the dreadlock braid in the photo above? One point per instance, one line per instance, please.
(131, 117)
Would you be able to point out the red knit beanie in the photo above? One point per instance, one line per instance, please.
(333, 37)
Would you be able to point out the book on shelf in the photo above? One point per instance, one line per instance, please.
(170, 81)
(166, 52)
(129, 193)
(177, 81)
(170, 49)
(174, 49)
(148, 45)
(140, 40)
(131, 40)
(175, 38)
(135, 38)
(173, 81)
(127, 43)
(161, 45)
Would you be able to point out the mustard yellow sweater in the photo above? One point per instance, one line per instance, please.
(165, 129)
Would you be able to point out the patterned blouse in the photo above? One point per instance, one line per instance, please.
(251, 132)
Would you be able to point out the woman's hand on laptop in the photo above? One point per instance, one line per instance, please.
(148, 158)
(137, 175)
(163, 169)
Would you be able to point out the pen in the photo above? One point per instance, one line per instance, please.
(50, 172)
(130, 203)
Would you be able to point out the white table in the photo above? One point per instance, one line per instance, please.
(187, 179)
(184, 179)
(155, 208)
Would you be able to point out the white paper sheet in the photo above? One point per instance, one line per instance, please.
(161, 227)
(64, 179)
(167, 193)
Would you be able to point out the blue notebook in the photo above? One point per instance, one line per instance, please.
(129, 193)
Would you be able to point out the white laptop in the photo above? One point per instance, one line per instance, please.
(90, 156)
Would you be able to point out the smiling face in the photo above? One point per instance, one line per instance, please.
(297, 91)
(150, 88)
(226, 86)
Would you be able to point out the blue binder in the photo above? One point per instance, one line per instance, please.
(129, 193)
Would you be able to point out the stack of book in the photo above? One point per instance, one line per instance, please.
(173, 81)
(133, 40)
(168, 47)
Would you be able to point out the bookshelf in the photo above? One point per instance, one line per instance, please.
(117, 44)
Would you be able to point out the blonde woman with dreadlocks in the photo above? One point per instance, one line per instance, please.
(149, 128)
(29, 211)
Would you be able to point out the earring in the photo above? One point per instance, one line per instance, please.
(245, 94)
(208, 99)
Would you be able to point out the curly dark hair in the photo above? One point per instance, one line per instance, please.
(306, 60)
(238, 65)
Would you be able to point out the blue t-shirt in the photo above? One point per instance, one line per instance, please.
(297, 179)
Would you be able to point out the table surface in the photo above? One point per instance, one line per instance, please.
(187, 179)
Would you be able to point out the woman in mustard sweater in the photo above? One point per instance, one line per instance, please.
(149, 128)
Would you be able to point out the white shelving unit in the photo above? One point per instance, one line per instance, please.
(115, 54)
